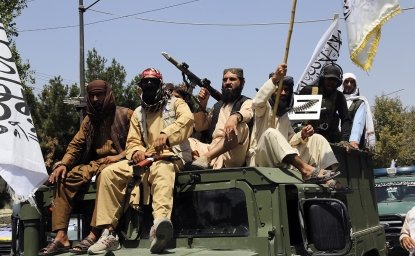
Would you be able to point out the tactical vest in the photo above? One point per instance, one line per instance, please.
(328, 124)
(215, 115)
(183, 149)
(352, 112)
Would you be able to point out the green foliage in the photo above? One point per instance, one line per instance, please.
(131, 95)
(408, 156)
(394, 132)
(59, 122)
(114, 74)
(9, 10)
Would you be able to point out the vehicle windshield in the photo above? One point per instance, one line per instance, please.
(395, 192)
(219, 212)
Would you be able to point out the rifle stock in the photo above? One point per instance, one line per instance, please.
(205, 83)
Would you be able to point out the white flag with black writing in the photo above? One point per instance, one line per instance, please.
(326, 51)
(21, 160)
(364, 20)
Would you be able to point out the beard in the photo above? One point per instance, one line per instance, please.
(229, 96)
(283, 107)
(98, 106)
(284, 104)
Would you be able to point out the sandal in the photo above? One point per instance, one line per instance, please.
(201, 163)
(327, 175)
(83, 246)
(337, 186)
(54, 248)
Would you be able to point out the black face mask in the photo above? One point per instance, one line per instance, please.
(151, 91)
(284, 105)
(231, 96)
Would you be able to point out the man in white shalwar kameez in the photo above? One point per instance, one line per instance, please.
(310, 153)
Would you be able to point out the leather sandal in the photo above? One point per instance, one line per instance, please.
(83, 246)
(327, 175)
(54, 248)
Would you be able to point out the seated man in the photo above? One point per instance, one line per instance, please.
(159, 127)
(227, 124)
(310, 153)
(99, 142)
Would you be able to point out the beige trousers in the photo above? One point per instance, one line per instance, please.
(273, 147)
(159, 180)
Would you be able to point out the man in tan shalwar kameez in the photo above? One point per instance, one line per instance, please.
(227, 124)
(310, 153)
(157, 127)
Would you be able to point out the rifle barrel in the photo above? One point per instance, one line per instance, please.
(192, 77)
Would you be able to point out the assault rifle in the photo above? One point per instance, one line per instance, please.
(149, 160)
(191, 80)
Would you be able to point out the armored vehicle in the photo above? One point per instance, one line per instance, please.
(241, 211)
(395, 193)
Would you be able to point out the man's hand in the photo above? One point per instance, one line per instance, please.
(139, 156)
(203, 97)
(408, 243)
(58, 173)
(354, 144)
(279, 73)
(307, 131)
(231, 124)
(160, 143)
(112, 159)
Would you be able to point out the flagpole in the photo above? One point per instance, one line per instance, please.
(287, 49)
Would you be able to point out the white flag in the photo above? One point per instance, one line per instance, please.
(364, 19)
(21, 160)
(326, 51)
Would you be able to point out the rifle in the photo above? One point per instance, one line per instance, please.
(149, 160)
(131, 222)
(191, 80)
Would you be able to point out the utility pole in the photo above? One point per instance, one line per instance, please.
(82, 101)
(82, 9)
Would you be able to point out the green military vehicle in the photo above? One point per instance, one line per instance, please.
(395, 193)
(241, 211)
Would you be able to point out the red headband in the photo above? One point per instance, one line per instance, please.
(151, 72)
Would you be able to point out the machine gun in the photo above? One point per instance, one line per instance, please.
(191, 80)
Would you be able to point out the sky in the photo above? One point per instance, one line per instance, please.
(209, 35)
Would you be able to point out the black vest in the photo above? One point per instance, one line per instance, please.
(215, 115)
(352, 112)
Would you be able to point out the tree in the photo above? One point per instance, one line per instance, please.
(131, 94)
(59, 122)
(392, 127)
(9, 11)
(115, 75)
(409, 128)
